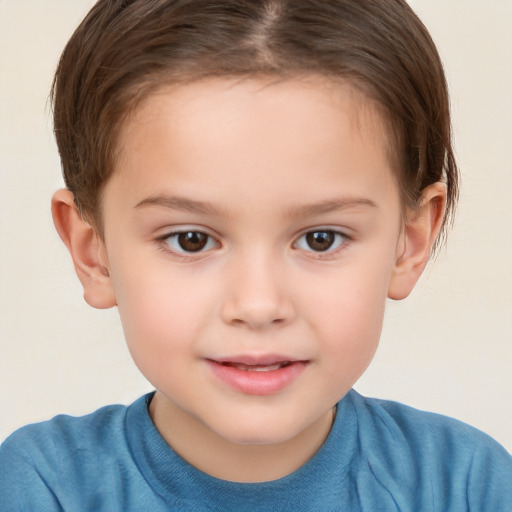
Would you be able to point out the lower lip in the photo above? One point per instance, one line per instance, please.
(257, 382)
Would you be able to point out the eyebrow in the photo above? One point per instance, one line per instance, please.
(180, 203)
(329, 206)
(206, 208)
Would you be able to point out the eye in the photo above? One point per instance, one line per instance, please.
(189, 241)
(321, 240)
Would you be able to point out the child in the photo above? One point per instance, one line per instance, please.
(247, 181)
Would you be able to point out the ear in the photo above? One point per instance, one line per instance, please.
(87, 250)
(418, 236)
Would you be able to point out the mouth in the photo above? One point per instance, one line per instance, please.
(258, 376)
(258, 367)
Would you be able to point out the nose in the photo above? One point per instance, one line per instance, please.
(257, 296)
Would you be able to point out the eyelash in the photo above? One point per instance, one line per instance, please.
(179, 251)
(340, 240)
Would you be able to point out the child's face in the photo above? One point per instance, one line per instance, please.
(251, 232)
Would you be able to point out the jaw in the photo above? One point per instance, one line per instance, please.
(257, 456)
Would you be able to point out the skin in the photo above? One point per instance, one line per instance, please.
(255, 165)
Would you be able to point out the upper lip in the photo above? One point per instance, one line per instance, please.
(256, 360)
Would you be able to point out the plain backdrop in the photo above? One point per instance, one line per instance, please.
(447, 348)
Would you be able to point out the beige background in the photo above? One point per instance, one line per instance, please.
(448, 348)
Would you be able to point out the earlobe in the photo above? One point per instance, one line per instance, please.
(86, 248)
(418, 236)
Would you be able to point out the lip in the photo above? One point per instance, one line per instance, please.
(257, 375)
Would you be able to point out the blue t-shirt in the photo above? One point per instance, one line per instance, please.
(379, 456)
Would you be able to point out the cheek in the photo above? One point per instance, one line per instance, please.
(349, 315)
(353, 340)
(159, 316)
(353, 327)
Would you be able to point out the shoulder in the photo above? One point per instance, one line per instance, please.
(72, 432)
(430, 430)
(448, 456)
(44, 460)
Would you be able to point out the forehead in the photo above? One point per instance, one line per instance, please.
(294, 91)
(213, 100)
(276, 131)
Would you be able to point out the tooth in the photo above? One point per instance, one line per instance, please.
(266, 368)
(258, 368)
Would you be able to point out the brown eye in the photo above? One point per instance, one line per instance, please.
(320, 240)
(187, 242)
(192, 241)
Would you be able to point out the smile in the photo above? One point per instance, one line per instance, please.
(257, 377)
(258, 367)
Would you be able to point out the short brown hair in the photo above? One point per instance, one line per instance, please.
(124, 49)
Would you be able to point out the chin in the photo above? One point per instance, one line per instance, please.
(258, 440)
(257, 434)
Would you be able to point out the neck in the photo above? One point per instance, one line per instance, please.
(226, 460)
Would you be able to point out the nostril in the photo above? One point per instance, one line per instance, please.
(257, 323)
(255, 319)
